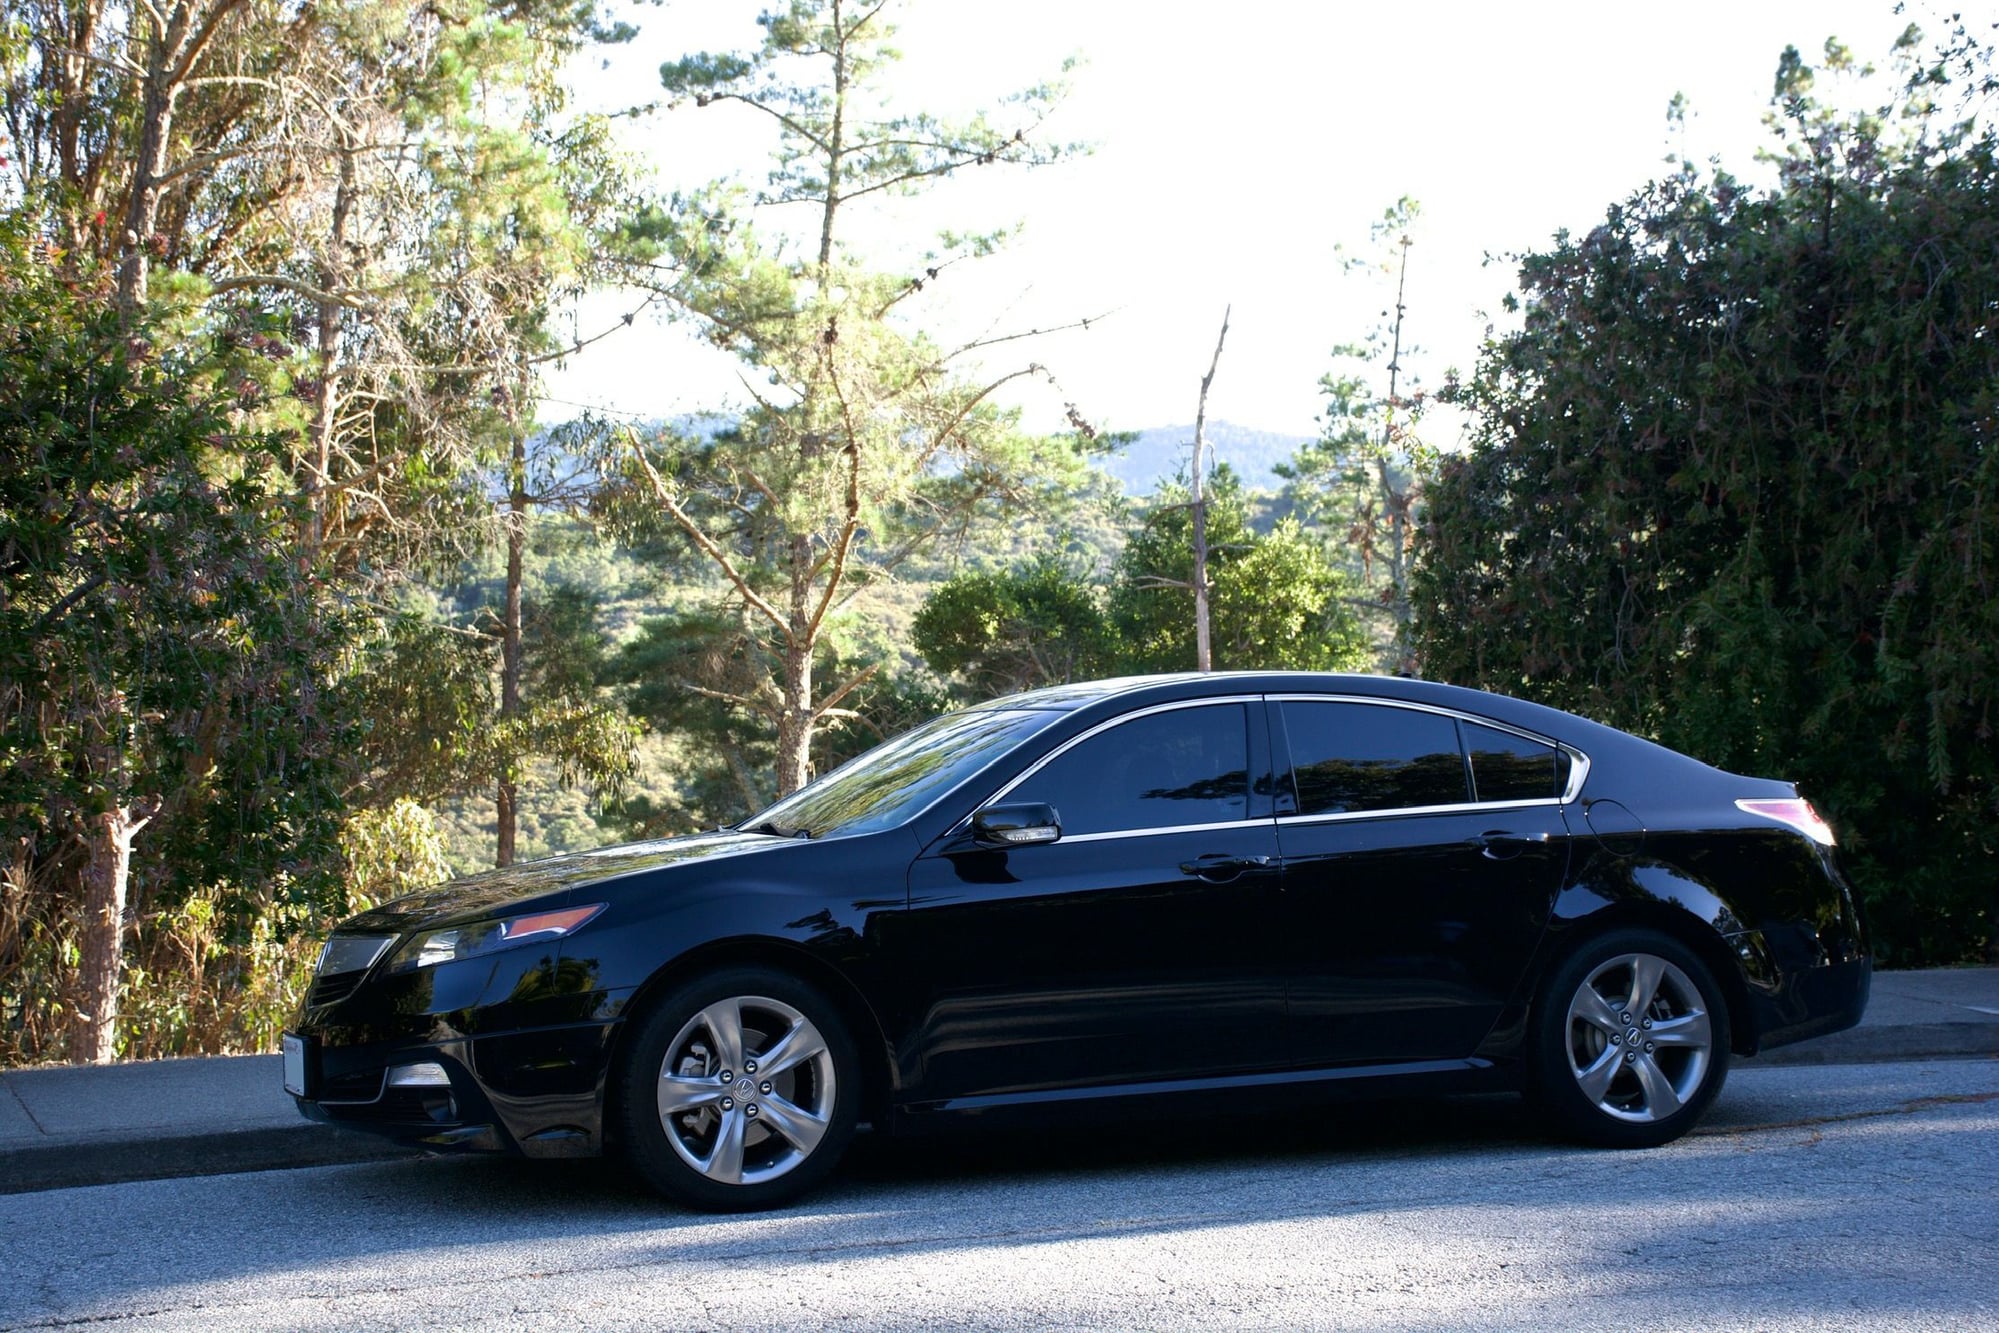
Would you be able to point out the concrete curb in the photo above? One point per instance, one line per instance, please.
(1863, 1045)
(117, 1161)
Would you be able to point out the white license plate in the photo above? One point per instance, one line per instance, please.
(294, 1065)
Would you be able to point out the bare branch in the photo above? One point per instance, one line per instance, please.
(794, 126)
(707, 544)
(979, 343)
(827, 706)
(205, 160)
(351, 300)
(580, 344)
(202, 37)
(834, 563)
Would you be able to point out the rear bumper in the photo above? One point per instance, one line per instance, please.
(537, 1092)
(1811, 1003)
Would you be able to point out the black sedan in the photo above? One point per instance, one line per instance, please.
(1170, 888)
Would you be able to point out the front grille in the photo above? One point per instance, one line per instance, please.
(334, 989)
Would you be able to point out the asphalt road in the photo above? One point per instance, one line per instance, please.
(1850, 1196)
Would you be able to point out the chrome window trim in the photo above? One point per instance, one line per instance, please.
(1405, 811)
(1578, 761)
(1118, 721)
(1108, 835)
(1579, 766)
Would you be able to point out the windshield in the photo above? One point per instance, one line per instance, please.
(899, 778)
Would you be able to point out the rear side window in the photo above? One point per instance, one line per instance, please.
(1505, 767)
(1349, 757)
(1181, 767)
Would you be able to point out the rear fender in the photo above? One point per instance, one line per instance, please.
(1612, 892)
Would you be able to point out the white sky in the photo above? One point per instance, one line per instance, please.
(1236, 145)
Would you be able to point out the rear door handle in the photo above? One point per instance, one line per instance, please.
(1501, 845)
(1220, 868)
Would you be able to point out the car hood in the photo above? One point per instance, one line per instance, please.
(490, 890)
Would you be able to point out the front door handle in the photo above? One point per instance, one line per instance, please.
(1220, 868)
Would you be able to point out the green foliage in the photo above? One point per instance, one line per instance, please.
(163, 654)
(391, 850)
(1277, 601)
(1004, 631)
(684, 675)
(1734, 486)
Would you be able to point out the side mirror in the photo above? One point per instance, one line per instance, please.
(1016, 825)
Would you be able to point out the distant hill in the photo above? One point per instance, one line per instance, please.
(1160, 453)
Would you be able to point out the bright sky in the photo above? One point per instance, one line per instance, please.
(1236, 146)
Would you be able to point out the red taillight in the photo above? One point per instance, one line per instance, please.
(1795, 811)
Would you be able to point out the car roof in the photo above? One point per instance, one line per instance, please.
(1197, 684)
(1538, 719)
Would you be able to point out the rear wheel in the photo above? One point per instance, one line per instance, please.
(1631, 1041)
(740, 1091)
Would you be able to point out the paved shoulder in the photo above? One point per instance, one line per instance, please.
(151, 1119)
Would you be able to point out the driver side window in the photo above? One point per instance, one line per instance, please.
(1181, 767)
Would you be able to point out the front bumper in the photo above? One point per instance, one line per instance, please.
(537, 1092)
(508, 1053)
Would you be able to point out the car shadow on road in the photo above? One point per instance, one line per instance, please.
(1103, 1142)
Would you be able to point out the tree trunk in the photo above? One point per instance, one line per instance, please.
(1398, 502)
(326, 356)
(101, 943)
(510, 642)
(104, 882)
(794, 726)
(158, 91)
(1203, 653)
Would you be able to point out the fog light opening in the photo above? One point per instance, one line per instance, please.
(426, 1075)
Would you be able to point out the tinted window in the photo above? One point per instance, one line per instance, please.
(1505, 767)
(1347, 757)
(900, 777)
(1183, 766)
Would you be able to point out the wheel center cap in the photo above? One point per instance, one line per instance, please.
(1632, 1036)
(744, 1087)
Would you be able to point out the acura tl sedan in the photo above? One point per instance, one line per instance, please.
(1085, 899)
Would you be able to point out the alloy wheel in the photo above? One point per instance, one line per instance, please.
(1640, 1042)
(746, 1090)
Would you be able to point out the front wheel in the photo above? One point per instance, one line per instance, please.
(740, 1091)
(1631, 1041)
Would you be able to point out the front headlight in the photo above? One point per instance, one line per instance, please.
(350, 953)
(451, 944)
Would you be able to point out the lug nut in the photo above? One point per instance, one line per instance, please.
(1624, 1019)
(764, 1087)
(749, 1066)
(1647, 1025)
(728, 1103)
(1631, 1057)
(1649, 1048)
(728, 1077)
(1617, 1039)
(751, 1110)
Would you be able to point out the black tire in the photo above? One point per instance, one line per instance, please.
(780, 1121)
(1630, 1041)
